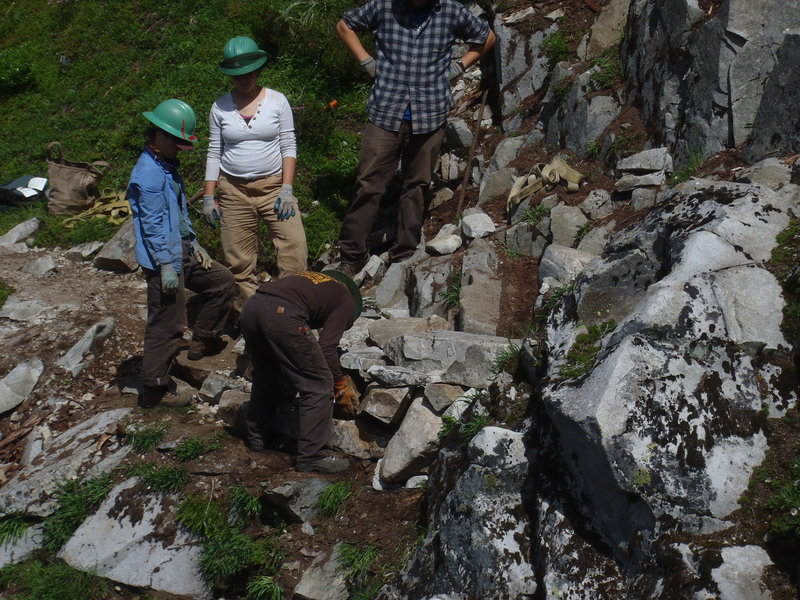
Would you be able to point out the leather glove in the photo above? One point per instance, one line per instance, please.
(286, 203)
(169, 280)
(456, 69)
(211, 210)
(345, 398)
(201, 255)
(368, 64)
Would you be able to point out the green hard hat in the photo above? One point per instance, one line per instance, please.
(241, 55)
(175, 117)
(351, 287)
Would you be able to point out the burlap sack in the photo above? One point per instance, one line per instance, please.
(73, 185)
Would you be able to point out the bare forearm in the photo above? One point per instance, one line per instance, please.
(209, 188)
(351, 41)
(475, 51)
(289, 167)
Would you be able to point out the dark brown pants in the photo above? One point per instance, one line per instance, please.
(166, 314)
(380, 151)
(286, 359)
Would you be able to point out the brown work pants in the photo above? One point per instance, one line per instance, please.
(242, 202)
(166, 313)
(380, 151)
(286, 359)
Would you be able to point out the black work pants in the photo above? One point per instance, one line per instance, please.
(380, 152)
(166, 313)
(286, 359)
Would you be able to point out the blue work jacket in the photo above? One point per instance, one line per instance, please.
(153, 193)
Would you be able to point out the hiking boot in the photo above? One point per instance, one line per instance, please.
(198, 348)
(351, 269)
(324, 464)
(161, 395)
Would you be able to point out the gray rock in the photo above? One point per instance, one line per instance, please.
(392, 376)
(741, 574)
(565, 224)
(20, 232)
(371, 271)
(454, 357)
(413, 446)
(28, 311)
(562, 263)
(132, 538)
(442, 395)
(429, 281)
(362, 359)
(526, 240)
(418, 481)
(297, 499)
(119, 253)
(356, 336)
(606, 30)
(83, 251)
(35, 444)
(72, 454)
(477, 225)
(15, 552)
(479, 300)
(387, 405)
(457, 134)
(629, 182)
(75, 360)
(229, 405)
(643, 198)
(41, 267)
(216, 383)
(323, 580)
(647, 161)
(771, 173)
(391, 289)
(383, 330)
(442, 196)
(597, 204)
(505, 152)
(444, 244)
(355, 438)
(595, 240)
(498, 183)
(19, 383)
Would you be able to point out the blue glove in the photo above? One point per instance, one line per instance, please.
(286, 203)
(169, 280)
(211, 210)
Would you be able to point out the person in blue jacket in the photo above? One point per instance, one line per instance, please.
(170, 256)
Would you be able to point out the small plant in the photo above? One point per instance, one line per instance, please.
(227, 556)
(785, 504)
(624, 145)
(688, 168)
(263, 587)
(592, 148)
(452, 295)
(331, 498)
(610, 69)
(555, 48)
(37, 580)
(12, 528)
(534, 214)
(161, 479)
(507, 360)
(584, 229)
(201, 516)
(5, 292)
(355, 563)
(143, 439)
(583, 353)
(192, 447)
(449, 424)
(473, 426)
(555, 296)
(76, 501)
(242, 505)
(561, 90)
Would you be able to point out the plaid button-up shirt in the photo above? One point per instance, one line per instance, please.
(413, 63)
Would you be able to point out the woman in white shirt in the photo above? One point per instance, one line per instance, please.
(252, 154)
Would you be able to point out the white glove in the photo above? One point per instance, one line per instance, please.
(456, 69)
(286, 203)
(211, 210)
(201, 255)
(369, 66)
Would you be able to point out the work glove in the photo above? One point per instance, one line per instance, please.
(345, 398)
(201, 255)
(211, 210)
(286, 203)
(456, 69)
(169, 280)
(368, 64)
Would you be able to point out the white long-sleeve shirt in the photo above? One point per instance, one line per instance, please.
(250, 150)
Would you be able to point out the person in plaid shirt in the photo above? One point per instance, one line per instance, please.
(407, 109)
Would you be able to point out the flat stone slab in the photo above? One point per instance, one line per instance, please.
(413, 446)
(297, 499)
(323, 580)
(71, 455)
(133, 539)
(20, 232)
(357, 438)
(382, 331)
(18, 550)
(19, 383)
(73, 361)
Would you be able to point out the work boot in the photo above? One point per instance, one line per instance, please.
(198, 348)
(161, 395)
(351, 269)
(323, 464)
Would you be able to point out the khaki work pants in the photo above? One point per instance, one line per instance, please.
(243, 202)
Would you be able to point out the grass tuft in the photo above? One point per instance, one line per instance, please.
(555, 48)
(582, 355)
(535, 214)
(143, 439)
(263, 587)
(242, 505)
(452, 295)
(201, 516)
(76, 501)
(160, 479)
(355, 563)
(193, 447)
(687, 170)
(38, 580)
(332, 497)
(12, 528)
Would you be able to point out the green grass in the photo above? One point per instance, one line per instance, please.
(610, 72)
(76, 501)
(201, 516)
(534, 214)
(12, 528)
(582, 354)
(555, 297)
(39, 580)
(143, 439)
(231, 557)
(5, 292)
(688, 168)
(784, 260)
(555, 48)
(785, 505)
(263, 587)
(193, 447)
(332, 498)
(356, 563)
(452, 294)
(507, 360)
(242, 505)
(161, 479)
(473, 426)
(449, 425)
